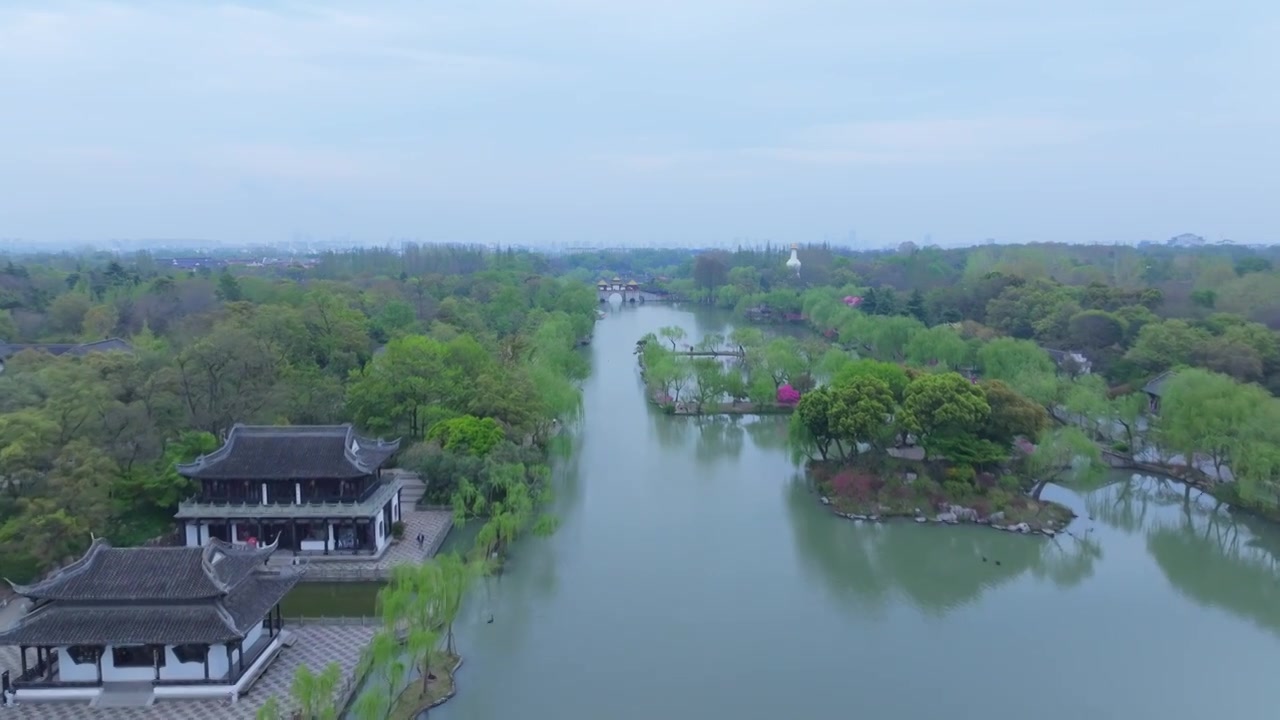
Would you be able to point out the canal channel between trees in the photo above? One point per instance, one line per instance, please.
(695, 574)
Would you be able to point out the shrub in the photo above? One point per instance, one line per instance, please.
(788, 395)
(467, 434)
(901, 490)
(961, 474)
(1120, 447)
(803, 383)
(397, 530)
(957, 490)
(855, 485)
(997, 499)
(1010, 484)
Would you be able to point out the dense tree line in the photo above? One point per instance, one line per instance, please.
(89, 443)
(1134, 312)
(993, 311)
(1205, 419)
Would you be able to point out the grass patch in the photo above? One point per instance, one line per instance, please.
(414, 699)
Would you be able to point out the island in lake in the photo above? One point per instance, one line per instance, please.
(881, 439)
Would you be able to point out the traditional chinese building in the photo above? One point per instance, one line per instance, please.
(319, 489)
(188, 622)
(8, 350)
(1155, 389)
(628, 290)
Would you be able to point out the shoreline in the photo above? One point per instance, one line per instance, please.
(954, 515)
(880, 494)
(408, 707)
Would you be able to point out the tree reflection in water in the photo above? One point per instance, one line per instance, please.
(1213, 556)
(936, 569)
(718, 437)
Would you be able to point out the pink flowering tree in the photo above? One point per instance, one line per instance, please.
(788, 395)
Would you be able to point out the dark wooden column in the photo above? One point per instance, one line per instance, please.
(206, 663)
(293, 531)
(328, 530)
(98, 661)
(240, 645)
(261, 540)
(229, 665)
(22, 651)
(157, 652)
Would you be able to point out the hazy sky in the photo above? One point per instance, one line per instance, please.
(602, 121)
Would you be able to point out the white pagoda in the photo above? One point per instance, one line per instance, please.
(794, 262)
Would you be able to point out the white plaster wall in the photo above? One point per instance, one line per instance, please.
(174, 670)
(380, 534)
(313, 545)
(395, 507)
(252, 637)
(71, 672)
(193, 535)
(217, 661)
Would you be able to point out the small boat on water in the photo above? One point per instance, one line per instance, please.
(600, 314)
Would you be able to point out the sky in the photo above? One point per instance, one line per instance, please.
(667, 122)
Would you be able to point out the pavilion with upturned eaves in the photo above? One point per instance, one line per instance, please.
(187, 622)
(628, 290)
(318, 488)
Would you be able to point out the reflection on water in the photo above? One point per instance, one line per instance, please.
(935, 568)
(1212, 556)
(695, 575)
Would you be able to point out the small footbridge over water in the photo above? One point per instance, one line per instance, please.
(628, 291)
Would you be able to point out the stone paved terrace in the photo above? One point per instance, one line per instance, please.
(316, 646)
(434, 524)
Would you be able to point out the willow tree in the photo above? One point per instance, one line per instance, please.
(314, 692)
(1062, 451)
(455, 576)
(412, 607)
(383, 664)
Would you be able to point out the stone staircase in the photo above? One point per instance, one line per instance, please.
(413, 490)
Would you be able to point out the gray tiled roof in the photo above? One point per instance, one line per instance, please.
(107, 574)
(8, 350)
(1156, 385)
(59, 623)
(292, 452)
(152, 595)
(198, 510)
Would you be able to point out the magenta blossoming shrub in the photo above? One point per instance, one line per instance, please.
(859, 486)
(788, 395)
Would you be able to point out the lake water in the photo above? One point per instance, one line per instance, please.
(696, 576)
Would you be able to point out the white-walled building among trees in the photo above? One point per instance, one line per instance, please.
(189, 622)
(317, 489)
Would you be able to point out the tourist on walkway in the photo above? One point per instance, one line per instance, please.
(421, 539)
